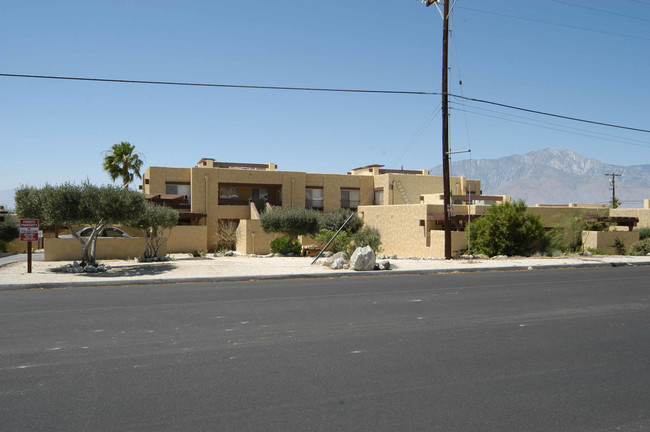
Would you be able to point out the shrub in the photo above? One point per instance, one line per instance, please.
(198, 253)
(506, 229)
(597, 251)
(9, 229)
(340, 244)
(641, 248)
(619, 246)
(333, 221)
(644, 233)
(368, 236)
(3, 247)
(285, 245)
(290, 222)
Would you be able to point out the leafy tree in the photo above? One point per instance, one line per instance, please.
(123, 161)
(333, 221)
(86, 204)
(506, 229)
(290, 222)
(155, 223)
(9, 231)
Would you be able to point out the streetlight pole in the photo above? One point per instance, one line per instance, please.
(445, 125)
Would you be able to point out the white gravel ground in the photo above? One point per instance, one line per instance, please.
(185, 268)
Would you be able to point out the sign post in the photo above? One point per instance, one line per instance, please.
(29, 233)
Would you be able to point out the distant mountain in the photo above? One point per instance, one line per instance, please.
(553, 176)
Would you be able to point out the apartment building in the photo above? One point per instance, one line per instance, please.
(213, 191)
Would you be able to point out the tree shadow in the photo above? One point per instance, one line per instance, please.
(133, 270)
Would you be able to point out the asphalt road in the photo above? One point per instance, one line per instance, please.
(561, 350)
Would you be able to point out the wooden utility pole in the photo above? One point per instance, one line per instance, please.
(445, 124)
(613, 181)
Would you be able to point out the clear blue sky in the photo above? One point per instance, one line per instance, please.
(530, 54)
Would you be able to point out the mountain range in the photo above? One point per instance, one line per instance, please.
(552, 176)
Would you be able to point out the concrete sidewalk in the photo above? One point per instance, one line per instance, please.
(183, 268)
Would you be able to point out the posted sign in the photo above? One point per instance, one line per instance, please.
(28, 230)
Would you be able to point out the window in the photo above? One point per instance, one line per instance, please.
(379, 197)
(229, 192)
(350, 198)
(178, 189)
(314, 198)
(260, 193)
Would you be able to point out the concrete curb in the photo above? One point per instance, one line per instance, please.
(333, 274)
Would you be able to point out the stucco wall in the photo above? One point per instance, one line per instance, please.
(642, 214)
(181, 239)
(403, 234)
(251, 239)
(604, 240)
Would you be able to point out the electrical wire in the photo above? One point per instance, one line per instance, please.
(238, 86)
(561, 128)
(554, 24)
(600, 10)
(551, 114)
(552, 128)
(316, 89)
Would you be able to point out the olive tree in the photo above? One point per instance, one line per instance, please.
(71, 204)
(155, 223)
(290, 222)
(9, 231)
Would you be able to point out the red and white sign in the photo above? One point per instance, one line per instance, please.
(28, 230)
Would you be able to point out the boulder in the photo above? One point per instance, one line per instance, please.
(363, 259)
(384, 265)
(341, 255)
(338, 263)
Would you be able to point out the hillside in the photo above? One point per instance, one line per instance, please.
(552, 176)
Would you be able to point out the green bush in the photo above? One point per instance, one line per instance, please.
(9, 229)
(3, 247)
(340, 244)
(619, 246)
(644, 233)
(284, 245)
(333, 221)
(506, 229)
(368, 236)
(641, 248)
(198, 253)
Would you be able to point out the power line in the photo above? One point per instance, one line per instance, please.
(600, 10)
(557, 127)
(317, 89)
(193, 84)
(551, 114)
(554, 24)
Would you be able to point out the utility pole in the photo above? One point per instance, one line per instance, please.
(613, 185)
(445, 124)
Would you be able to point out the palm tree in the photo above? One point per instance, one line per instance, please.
(122, 161)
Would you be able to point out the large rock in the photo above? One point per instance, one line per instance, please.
(363, 259)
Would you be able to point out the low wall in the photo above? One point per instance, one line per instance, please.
(604, 240)
(182, 239)
(251, 239)
(69, 249)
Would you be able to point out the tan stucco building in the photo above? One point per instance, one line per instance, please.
(405, 205)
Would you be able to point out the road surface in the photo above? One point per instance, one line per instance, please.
(555, 350)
